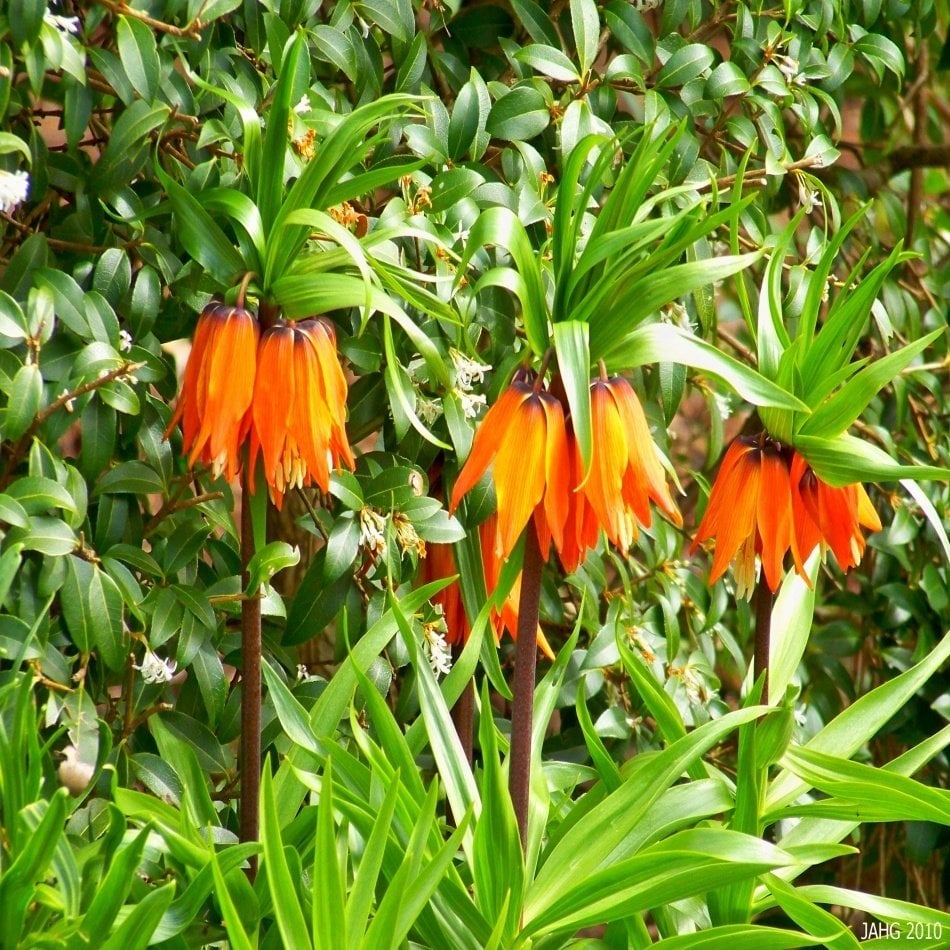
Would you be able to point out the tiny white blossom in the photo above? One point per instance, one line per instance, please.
(467, 371)
(304, 675)
(74, 775)
(436, 649)
(125, 341)
(428, 410)
(70, 404)
(808, 198)
(154, 669)
(372, 531)
(14, 187)
(643, 5)
(723, 404)
(303, 107)
(471, 403)
(64, 24)
(789, 68)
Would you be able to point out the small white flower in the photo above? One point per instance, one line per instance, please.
(125, 341)
(436, 649)
(428, 410)
(789, 68)
(64, 24)
(407, 536)
(74, 775)
(724, 405)
(372, 531)
(304, 675)
(472, 403)
(14, 187)
(808, 198)
(154, 669)
(643, 5)
(70, 404)
(467, 371)
(303, 107)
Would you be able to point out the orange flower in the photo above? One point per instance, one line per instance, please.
(299, 407)
(581, 528)
(440, 562)
(218, 387)
(750, 513)
(523, 433)
(625, 474)
(832, 517)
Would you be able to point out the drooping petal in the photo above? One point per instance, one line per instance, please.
(557, 471)
(774, 516)
(519, 471)
(735, 508)
(487, 440)
(608, 462)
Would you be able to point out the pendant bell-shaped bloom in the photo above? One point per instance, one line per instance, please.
(581, 528)
(523, 434)
(218, 388)
(625, 474)
(440, 563)
(299, 408)
(750, 513)
(829, 516)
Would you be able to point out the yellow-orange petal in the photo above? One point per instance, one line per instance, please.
(718, 506)
(604, 483)
(556, 471)
(735, 504)
(867, 513)
(487, 439)
(774, 516)
(519, 471)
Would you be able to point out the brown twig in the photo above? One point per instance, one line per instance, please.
(250, 755)
(192, 31)
(526, 661)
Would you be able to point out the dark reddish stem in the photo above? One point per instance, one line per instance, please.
(763, 634)
(250, 755)
(526, 661)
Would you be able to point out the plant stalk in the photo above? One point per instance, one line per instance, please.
(526, 661)
(763, 634)
(250, 753)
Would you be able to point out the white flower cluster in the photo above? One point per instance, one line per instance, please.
(372, 531)
(154, 669)
(62, 24)
(467, 371)
(436, 649)
(14, 187)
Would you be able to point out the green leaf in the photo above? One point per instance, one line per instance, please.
(847, 459)
(834, 416)
(685, 64)
(465, 121)
(114, 887)
(201, 236)
(536, 22)
(127, 143)
(139, 54)
(92, 608)
(394, 16)
(26, 393)
(741, 937)
(610, 325)
(288, 910)
(501, 227)
(276, 136)
(793, 614)
(726, 80)
(519, 115)
(38, 494)
(549, 61)
(316, 602)
(328, 908)
(573, 360)
(664, 342)
(586, 25)
(134, 478)
(46, 535)
(273, 557)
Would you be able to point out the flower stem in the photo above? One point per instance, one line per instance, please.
(526, 661)
(250, 754)
(763, 634)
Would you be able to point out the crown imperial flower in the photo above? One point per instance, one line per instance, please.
(299, 407)
(218, 388)
(524, 435)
